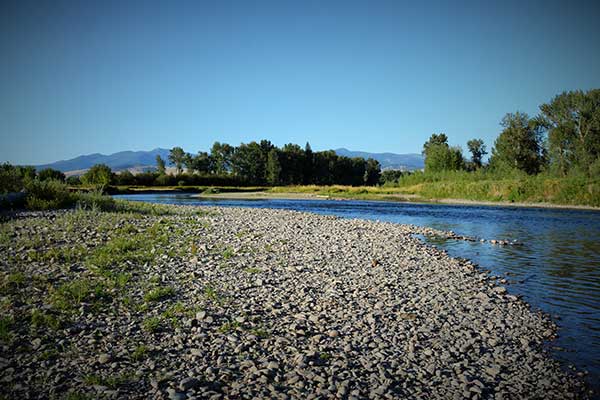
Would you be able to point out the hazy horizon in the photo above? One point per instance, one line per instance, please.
(382, 76)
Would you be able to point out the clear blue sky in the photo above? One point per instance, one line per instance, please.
(96, 76)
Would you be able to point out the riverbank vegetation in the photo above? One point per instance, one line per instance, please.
(553, 157)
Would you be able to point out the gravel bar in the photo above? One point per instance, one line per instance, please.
(216, 303)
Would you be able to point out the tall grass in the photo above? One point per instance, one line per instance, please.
(487, 186)
(477, 186)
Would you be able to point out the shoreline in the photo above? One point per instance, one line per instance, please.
(314, 306)
(392, 198)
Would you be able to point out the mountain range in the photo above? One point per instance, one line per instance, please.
(136, 161)
(404, 162)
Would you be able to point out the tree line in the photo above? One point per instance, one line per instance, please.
(562, 140)
(262, 163)
(254, 163)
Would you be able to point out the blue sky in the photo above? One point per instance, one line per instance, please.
(84, 77)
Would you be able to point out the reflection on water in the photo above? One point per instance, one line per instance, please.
(557, 269)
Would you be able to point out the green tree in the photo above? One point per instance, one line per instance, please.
(308, 169)
(292, 164)
(247, 163)
(390, 176)
(201, 162)
(160, 165)
(477, 149)
(323, 167)
(124, 178)
(220, 156)
(73, 180)
(10, 179)
(189, 162)
(273, 168)
(99, 175)
(573, 123)
(439, 156)
(49, 173)
(177, 157)
(27, 172)
(519, 146)
(372, 172)
(435, 139)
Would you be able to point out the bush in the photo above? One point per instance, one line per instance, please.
(46, 195)
(95, 200)
(49, 173)
(73, 181)
(99, 175)
(10, 179)
(164, 180)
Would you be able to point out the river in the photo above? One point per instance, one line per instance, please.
(557, 269)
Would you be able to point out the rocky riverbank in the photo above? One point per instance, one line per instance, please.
(187, 302)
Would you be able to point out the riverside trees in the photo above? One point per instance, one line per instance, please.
(563, 140)
(257, 163)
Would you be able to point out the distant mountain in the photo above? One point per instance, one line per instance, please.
(138, 160)
(388, 160)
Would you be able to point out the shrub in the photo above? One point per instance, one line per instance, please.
(73, 181)
(99, 175)
(45, 195)
(10, 179)
(49, 173)
(95, 201)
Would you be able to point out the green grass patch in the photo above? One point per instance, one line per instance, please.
(7, 324)
(112, 382)
(229, 326)
(228, 253)
(140, 353)
(159, 294)
(70, 295)
(41, 320)
(151, 324)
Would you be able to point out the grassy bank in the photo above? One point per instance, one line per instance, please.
(471, 187)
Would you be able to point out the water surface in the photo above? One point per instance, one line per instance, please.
(557, 269)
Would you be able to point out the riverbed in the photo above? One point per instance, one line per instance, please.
(556, 268)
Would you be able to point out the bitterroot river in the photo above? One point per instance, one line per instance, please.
(555, 267)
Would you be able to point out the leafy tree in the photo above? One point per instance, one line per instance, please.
(188, 161)
(573, 123)
(247, 163)
(27, 172)
(49, 173)
(73, 180)
(292, 164)
(439, 156)
(372, 172)
(519, 146)
(435, 139)
(124, 178)
(477, 149)
(220, 156)
(390, 176)
(273, 168)
(10, 179)
(324, 166)
(177, 157)
(160, 165)
(99, 175)
(201, 162)
(308, 169)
